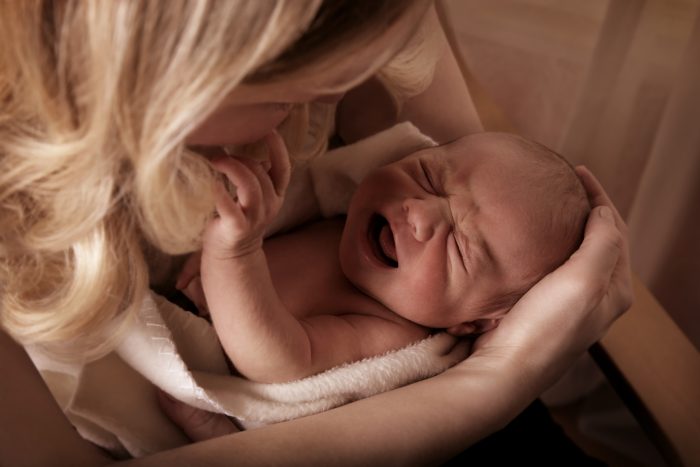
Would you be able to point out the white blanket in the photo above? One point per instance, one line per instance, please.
(112, 401)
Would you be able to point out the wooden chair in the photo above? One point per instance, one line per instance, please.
(647, 359)
(656, 371)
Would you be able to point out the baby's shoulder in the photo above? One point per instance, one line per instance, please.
(381, 330)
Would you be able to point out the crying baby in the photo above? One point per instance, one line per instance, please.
(448, 238)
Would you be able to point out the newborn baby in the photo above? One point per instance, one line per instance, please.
(448, 238)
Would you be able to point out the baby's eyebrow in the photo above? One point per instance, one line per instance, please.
(447, 175)
(438, 168)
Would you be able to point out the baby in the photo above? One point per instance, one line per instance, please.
(448, 238)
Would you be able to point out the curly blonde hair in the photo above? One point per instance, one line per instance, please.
(96, 99)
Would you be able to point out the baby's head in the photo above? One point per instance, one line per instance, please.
(452, 236)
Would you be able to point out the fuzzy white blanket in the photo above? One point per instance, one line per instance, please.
(112, 401)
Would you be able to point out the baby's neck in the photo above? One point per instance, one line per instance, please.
(316, 247)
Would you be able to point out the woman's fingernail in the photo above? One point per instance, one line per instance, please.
(605, 213)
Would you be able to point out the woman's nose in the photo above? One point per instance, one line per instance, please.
(423, 216)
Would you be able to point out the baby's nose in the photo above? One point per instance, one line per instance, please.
(423, 217)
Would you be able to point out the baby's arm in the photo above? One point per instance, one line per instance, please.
(255, 329)
(263, 340)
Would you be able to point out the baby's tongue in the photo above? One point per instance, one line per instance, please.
(386, 241)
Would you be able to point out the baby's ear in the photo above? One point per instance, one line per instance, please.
(477, 326)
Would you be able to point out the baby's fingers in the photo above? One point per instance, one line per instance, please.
(248, 188)
(195, 293)
(226, 207)
(267, 189)
(189, 270)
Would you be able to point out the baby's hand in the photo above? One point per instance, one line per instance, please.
(238, 228)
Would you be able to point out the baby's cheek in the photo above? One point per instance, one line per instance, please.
(423, 296)
(429, 281)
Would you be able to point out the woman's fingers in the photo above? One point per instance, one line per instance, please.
(596, 193)
(572, 307)
(595, 190)
(622, 275)
(580, 283)
(600, 251)
(578, 301)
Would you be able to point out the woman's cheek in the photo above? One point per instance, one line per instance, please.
(238, 125)
(260, 123)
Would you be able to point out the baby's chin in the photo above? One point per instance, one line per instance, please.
(435, 319)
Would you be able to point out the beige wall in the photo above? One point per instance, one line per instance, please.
(614, 85)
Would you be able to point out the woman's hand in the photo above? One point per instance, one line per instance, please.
(239, 227)
(571, 308)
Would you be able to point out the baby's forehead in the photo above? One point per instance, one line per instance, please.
(482, 165)
(448, 156)
(456, 151)
(453, 158)
(498, 151)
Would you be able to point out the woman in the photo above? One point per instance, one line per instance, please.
(109, 110)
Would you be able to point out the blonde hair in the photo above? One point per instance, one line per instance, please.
(96, 99)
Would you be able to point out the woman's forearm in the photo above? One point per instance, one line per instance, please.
(421, 424)
(34, 430)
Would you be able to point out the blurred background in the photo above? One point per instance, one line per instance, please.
(614, 85)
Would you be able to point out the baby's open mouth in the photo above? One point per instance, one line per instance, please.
(382, 240)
